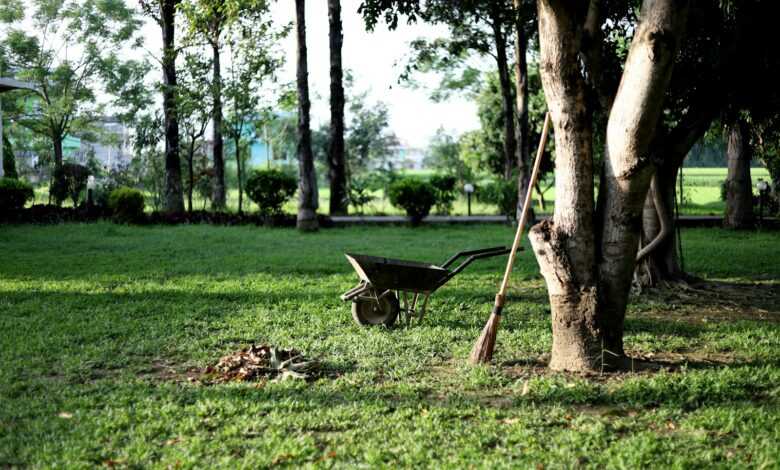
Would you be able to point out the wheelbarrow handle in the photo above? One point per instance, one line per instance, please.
(480, 254)
(495, 251)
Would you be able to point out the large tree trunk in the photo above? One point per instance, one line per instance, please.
(565, 247)
(521, 126)
(218, 198)
(588, 294)
(507, 107)
(174, 199)
(338, 179)
(739, 189)
(628, 168)
(307, 203)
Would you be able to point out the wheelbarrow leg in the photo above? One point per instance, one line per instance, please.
(424, 306)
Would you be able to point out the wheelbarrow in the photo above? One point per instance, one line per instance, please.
(383, 281)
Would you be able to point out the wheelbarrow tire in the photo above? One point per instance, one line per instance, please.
(367, 312)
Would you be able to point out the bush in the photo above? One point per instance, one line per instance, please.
(270, 189)
(14, 194)
(359, 193)
(414, 196)
(500, 193)
(445, 192)
(127, 204)
(70, 180)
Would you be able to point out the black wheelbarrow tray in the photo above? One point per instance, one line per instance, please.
(375, 300)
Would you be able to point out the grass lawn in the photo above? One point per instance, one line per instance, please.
(100, 326)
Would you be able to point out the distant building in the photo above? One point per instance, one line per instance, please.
(407, 157)
(113, 150)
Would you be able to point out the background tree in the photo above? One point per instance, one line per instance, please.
(307, 203)
(164, 13)
(253, 60)
(369, 139)
(208, 20)
(68, 49)
(336, 160)
(194, 113)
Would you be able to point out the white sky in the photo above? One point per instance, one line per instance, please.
(375, 60)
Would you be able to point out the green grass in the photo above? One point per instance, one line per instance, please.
(100, 324)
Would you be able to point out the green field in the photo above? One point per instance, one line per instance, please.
(701, 197)
(101, 326)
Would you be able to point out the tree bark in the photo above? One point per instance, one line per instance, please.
(307, 203)
(218, 198)
(739, 190)
(190, 173)
(239, 174)
(628, 168)
(338, 179)
(507, 107)
(174, 199)
(521, 125)
(565, 247)
(589, 290)
(663, 264)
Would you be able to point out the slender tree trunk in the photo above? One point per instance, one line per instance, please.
(191, 173)
(521, 125)
(628, 169)
(58, 155)
(739, 191)
(507, 106)
(174, 200)
(218, 198)
(565, 246)
(239, 174)
(307, 203)
(663, 262)
(338, 178)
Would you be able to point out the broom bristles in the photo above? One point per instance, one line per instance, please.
(482, 352)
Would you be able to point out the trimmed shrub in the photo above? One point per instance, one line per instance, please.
(502, 194)
(270, 189)
(70, 180)
(127, 205)
(14, 194)
(416, 197)
(445, 192)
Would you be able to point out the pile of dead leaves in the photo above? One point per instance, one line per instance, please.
(261, 362)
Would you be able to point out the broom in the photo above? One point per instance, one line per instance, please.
(483, 348)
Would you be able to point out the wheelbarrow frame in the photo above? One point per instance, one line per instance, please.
(433, 277)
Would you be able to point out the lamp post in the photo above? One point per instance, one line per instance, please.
(763, 189)
(90, 191)
(468, 188)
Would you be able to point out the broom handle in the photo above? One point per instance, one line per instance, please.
(524, 215)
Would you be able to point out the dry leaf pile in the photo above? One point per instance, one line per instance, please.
(262, 362)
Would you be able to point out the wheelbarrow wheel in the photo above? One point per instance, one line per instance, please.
(368, 312)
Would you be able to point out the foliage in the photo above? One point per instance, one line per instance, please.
(14, 194)
(359, 193)
(446, 192)
(444, 154)
(70, 180)
(501, 193)
(9, 159)
(270, 189)
(127, 205)
(71, 51)
(413, 195)
(368, 141)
